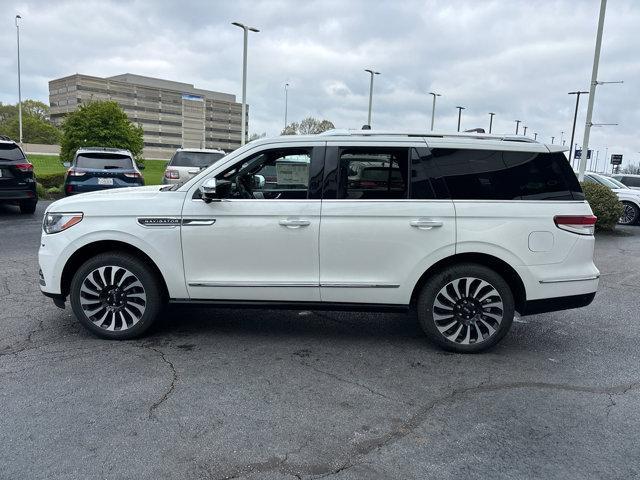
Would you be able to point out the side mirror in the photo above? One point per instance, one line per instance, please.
(258, 182)
(66, 164)
(214, 190)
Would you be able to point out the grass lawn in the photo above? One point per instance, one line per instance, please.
(46, 164)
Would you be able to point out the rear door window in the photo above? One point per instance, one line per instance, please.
(104, 161)
(373, 173)
(631, 181)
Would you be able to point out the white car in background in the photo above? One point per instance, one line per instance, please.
(629, 198)
(631, 181)
(186, 163)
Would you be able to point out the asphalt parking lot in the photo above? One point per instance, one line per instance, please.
(252, 394)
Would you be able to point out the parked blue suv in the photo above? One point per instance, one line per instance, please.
(97, 168)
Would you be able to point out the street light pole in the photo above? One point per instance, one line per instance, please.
(535, 136)
(525, 130)
(246, 30)
(552, 139)
(459, 115)
(491, 114)
(433, 107)
(517, 125)
(18, 17)
(562, 138)
(372, 73)
(575, 116)
(286, 103)
(592, 91)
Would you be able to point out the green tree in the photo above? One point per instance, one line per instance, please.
(36, 127)
(99, 124)
(308, 126)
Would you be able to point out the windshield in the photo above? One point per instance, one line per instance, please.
(104, 161)
(609, 183)
(9, 151)
(195, 159)
(617, 182)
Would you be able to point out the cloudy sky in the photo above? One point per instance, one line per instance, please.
(516, 58)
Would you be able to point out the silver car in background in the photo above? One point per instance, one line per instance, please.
(186, 163)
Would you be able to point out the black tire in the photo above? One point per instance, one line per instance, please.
(474, 311)
(28, 206)
(630, 215)
(118, 297)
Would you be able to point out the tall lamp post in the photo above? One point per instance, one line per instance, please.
(525, 130)
(491, 114)
(575, 116)
(433, 107)
(18, 17)
(552, 139)
(286, 103)
(517, 125)
(246, 29)
(372, 73)
(459, 115)
(535, 136)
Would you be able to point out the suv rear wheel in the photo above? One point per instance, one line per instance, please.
(116, 296)
(466, 308)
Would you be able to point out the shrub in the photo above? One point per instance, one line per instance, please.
(51, 179)
(54, 191)
(40, 190)
(605, 205)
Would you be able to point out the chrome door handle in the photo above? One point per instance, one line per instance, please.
(425, 224)
(294, 222)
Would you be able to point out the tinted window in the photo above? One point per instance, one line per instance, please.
(195, 159)
(9, 151)
(102, 161)
(631, 181)
(421, 174)
(542, 176)
(373, 173)
(495, 175)
(473, 174)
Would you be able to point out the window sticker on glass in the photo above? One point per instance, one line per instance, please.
(292, 173)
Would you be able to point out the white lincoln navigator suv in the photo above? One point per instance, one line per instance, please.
(466, 229)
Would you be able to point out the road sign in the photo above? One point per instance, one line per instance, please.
(578, 154)
(616, 159)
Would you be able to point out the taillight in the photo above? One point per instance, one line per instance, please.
(133, 175)
(173, 174)
(75, 173)
(24, 167)
(580, 224)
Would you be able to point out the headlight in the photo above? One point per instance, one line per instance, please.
(58, 222)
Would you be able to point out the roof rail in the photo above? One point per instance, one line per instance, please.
(373, 133)
(5, 138)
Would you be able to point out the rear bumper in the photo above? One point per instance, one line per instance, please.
(21, 194)
(544, 305)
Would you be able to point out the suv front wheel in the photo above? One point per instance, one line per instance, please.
(466, 308)
(116, 296)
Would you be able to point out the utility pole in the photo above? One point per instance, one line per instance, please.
(286, 103)
(592, 91)
(491, 114)
(372, 72)
(246, 30)
(575, 116)
(433, 107)
(459, 115)
(517, 125)
(18, 17)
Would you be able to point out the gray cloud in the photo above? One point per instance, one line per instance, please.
(516, 58)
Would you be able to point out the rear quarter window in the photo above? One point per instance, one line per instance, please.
(496, 175)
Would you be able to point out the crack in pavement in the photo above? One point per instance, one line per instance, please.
(172, 386)
(366, 447)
